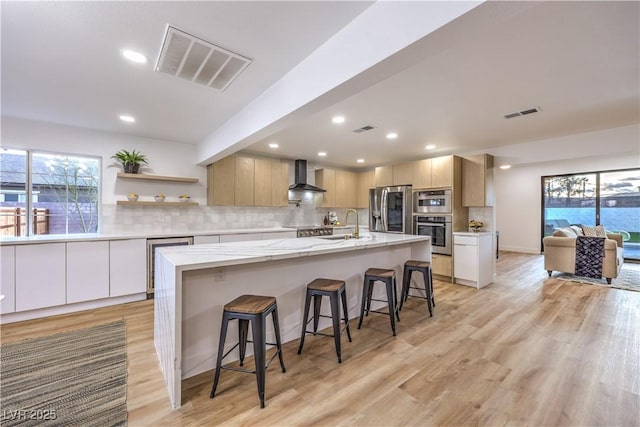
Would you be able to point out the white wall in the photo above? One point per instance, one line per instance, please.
(518, 190)
(164, 157)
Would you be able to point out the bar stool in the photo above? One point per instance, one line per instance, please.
(388, 277)
(423, 267)
(335, 290)
(254, 309)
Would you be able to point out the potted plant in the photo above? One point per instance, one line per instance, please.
(131, 160)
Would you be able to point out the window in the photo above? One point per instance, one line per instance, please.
(48, 193)
(610, 198)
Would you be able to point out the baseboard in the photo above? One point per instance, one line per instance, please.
(69, 308)
(519, 249)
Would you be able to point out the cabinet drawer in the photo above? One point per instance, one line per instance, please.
(465, 240)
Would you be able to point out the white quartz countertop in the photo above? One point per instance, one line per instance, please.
(56, 238)
(234, 253)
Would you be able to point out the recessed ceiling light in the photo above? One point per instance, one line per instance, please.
(134, 56)
(322, 153)
(338, 119)
(392, 135)
(430, 147)
(273, 145)
(505, 167)
(128, 119)
(360, 160)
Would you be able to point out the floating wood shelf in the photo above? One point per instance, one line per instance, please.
(146, 177)
(149, 203)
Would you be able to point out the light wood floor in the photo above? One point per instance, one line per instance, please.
(526, 350)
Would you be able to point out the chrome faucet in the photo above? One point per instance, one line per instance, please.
(356, 232)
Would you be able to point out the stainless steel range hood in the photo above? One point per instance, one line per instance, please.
(300, 178)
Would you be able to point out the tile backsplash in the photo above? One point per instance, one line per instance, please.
(152, 219)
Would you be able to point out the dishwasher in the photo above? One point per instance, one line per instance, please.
(152, 245)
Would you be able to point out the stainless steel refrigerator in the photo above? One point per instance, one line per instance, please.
(390, 209)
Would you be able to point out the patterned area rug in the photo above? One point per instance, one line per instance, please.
(76, 378)
(628, 279)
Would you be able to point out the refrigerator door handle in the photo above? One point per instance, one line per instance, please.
(383, 210)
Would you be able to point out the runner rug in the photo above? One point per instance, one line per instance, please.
(76, 378)
(628, 279)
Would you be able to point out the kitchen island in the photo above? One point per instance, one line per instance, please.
(194, 282)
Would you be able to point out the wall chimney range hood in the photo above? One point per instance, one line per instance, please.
(300, 178)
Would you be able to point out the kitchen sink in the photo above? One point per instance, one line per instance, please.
(339, 237)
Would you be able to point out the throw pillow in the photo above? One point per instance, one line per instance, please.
(577, 229)
(597, 231)
(564, 232)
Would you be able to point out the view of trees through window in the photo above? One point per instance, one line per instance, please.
(62, 198)
(610, 198)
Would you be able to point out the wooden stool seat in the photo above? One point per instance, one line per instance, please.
(250, 310)
(424, 268)
(336, 291)
(327, 285)
(388, 277)
(251, 304)
(379, 272)
(420, 264)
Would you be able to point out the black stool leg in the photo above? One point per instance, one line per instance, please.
(345, 311)
(317, 303)
(305, 319)
(365, 293)
(433, 298)
(276, 327)
(406, 279)
(369, 296)
(427, 289)
(243, 331)
(258, 328)
(391, 302)
(395, 298)
(335, 318)
(223, 337)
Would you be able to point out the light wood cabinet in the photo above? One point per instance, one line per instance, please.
(87, 271)
(384, 176)
(477, 181)
(346, 189)
(40, 276)
(127, 267)
(341, 187)
(245, 181)
(248, 181)
(442, 171)
(8, 279)
(422, 174)
(326, 179)
(262, 182)
(279, 182)
(441, 265)
(403, 173)
(221, 178)
(366, 181)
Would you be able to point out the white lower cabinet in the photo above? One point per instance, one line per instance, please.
(8, 279)
(201, 240)
(87, 271)
(224, 238)
(40, 276)
(473, 259)
(127, 267)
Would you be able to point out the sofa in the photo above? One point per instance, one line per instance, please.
(560, 252)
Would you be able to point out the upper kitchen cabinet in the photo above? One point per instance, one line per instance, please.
(384, 176)
(248, 181)
(366, 181)
(437, 172)
(341, 187)
(403, 173)
(477, 181)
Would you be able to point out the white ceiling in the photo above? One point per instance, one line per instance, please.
(578, 61)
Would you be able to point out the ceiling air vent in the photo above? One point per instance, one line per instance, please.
(363, 129)
(522, 113)
(191, 58)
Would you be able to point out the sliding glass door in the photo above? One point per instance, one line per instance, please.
(609, 198)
